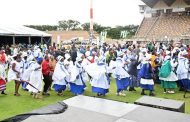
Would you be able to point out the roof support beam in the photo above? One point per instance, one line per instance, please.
(14, 40)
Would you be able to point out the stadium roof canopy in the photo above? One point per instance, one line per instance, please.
(21, 31)
(152, 3)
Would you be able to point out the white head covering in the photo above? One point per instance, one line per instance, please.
(30, 58)
(167, 57)
(124, 50)
(144, 50)
(67, 56)
(148, 57)
(173, 51)
(93, 52)
(66, 62)
(78, 59)
(168, 52)
(87, 53)
(36, 47)
(24, 54)
(101, 60)
(79, 54)
(184, 53)
(120, 53)
(59, 58)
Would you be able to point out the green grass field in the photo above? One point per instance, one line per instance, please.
(11, 105)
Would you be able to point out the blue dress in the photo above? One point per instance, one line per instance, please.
(145, 74)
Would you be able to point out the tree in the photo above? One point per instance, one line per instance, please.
(86, 26)
(63, 24)
(69, 24)
(114, 33)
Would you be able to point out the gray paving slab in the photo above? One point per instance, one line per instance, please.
(35, 119)
(88, 109)
(73, 114)
(162, 103)
(109, 107)
(123, 120)
(148, 114)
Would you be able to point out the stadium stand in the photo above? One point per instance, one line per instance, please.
(169, 22)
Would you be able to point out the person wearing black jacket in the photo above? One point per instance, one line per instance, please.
(133, 72)
(73, 53)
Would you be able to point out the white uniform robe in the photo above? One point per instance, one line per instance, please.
(12, 75)
(78, 71)
(119, 70)
(182, 69)
(60, 75)
(98, 74)
(36, 79)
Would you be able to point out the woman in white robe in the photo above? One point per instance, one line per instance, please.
(14, 73)
(120, 74)
(182, 71)
(36, 79)
(78, 78)
(60, 76)
(100, 81)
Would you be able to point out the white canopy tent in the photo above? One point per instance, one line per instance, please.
(22, 31)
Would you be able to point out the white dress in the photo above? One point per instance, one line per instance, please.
(60, 74)
(119, 68)
(182, 69)
(12, 75)
(98, 74)
(28, 71)
(36, 78)
(76, 71)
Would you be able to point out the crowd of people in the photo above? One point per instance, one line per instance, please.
(39, 68)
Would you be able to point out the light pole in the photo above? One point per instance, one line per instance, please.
(91, 21)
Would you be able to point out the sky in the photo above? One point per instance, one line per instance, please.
(42, 12)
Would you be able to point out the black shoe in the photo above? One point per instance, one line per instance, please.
(181, 89)
(131, 89)
(134, 89)
(142, 93)
(25, 89)
(45, 94)
(151, 94)
(3, 93)
(99, 94)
